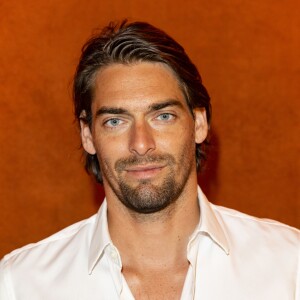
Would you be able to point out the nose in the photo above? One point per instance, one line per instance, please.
(141, 140)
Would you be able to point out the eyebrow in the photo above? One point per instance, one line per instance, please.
(153, 107)
(161, 105)
(111, 110)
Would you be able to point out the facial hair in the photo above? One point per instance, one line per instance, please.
(147, 197)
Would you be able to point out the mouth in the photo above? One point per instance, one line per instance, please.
(144, 171)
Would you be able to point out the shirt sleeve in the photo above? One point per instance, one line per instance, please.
(6, 292)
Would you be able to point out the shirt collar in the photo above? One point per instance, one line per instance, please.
(100, 238)
(208, 224)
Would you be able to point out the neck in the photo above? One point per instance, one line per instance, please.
(154, 240)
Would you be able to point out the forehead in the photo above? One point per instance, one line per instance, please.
(135, 85)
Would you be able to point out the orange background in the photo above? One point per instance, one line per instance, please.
(248, 55)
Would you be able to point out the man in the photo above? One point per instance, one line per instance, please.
(144, 116)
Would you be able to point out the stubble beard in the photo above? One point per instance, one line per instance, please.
(147, 197)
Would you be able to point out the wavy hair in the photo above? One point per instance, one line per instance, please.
(126, 43)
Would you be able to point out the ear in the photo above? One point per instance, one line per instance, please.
(86, 135)
(201, 126)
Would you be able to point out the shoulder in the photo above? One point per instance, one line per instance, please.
(267, 249)
(248, 229)
(234, 215)
(32, 271)
(73, 236)
(230, 216)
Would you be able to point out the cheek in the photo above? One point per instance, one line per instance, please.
(182, 137)
(109, 150)
(181, 144)
(186, 146)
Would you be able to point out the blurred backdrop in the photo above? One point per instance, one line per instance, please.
(248, 55)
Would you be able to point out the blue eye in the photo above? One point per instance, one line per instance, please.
(113, 122)
(165, 117)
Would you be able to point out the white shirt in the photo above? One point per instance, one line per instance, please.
(232, 256)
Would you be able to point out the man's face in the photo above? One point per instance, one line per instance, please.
(143, 134)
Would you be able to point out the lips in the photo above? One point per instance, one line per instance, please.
(144, 171)
(142, 168)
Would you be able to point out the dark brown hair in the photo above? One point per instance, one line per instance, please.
(127, 43)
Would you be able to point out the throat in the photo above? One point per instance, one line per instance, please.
(164, 282)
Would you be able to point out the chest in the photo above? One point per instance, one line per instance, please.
(156, 284)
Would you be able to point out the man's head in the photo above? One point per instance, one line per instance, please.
(130, 43)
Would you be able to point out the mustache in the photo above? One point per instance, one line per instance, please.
(122, 163)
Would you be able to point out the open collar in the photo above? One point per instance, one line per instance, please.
(208, 224)
(100, 239)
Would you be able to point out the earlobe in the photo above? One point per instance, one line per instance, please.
(201, 126)
(86, 137)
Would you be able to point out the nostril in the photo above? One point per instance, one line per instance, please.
(142, 141)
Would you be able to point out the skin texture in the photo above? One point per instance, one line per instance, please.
(144, 136)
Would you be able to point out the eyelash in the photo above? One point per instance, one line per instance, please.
(108, 123)
(171, 116)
